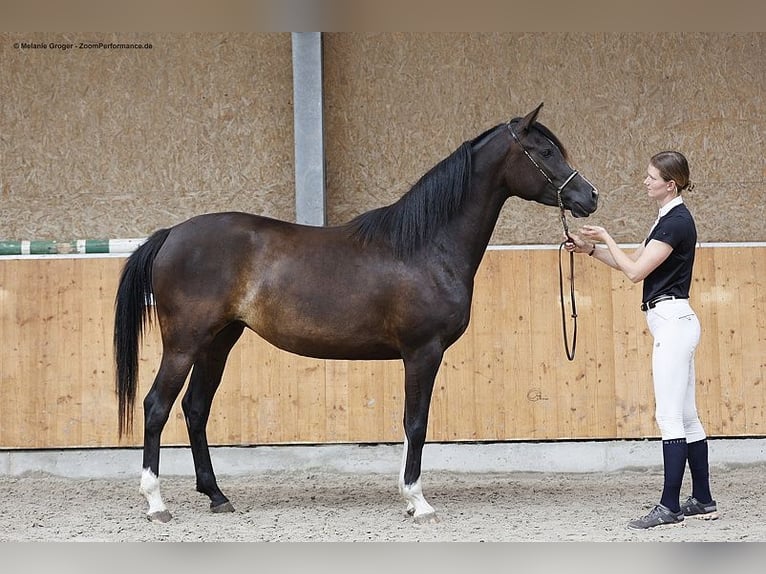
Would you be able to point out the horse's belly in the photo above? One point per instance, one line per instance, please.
(323, 332)
(336, 346)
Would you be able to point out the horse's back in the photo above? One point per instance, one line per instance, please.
(203, 266)
(297, 286)
(315, 291)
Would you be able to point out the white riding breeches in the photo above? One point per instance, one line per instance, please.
(676, 332)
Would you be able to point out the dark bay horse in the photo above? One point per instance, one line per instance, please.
(393, 284)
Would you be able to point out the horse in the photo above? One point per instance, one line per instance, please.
(394, 283)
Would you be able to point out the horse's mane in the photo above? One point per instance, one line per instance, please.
(412, 220)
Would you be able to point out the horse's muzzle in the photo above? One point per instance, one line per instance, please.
(584, 208)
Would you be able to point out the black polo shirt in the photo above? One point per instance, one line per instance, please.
(674, 275)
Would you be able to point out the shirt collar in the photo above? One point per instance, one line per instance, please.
(670, 205)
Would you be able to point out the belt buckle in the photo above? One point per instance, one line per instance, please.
(653, 303)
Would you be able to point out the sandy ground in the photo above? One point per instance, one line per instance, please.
(328, 506)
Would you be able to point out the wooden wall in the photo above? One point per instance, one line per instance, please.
(507, 378)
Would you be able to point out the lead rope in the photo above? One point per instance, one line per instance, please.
(570, 354)
(559, 189)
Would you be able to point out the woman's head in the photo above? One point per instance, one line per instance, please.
(672, 166)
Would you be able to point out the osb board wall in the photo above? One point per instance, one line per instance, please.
(99, 142)
(507, 378)
(398, 103)
(116, 143)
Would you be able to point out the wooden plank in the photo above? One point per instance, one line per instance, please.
(596, 313)
(704, 300)
(249, 382)
(391, 429)
(336, 405)
(14, 355)
(729, 338)
(516, 316)
(461, 391)
(751, 355)
(366, 392)
(634, 402)
(543, 295)
(484, 348)
(755, 356)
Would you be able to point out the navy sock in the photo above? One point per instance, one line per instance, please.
(674, 457)
(698, 465)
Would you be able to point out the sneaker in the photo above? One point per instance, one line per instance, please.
(658, 515)
(693, 507)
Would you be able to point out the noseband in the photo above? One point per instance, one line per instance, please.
(559, 189)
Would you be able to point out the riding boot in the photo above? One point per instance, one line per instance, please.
(698, 465)
(674, 453)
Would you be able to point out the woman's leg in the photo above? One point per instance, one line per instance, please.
(696, 439)
(676, 334)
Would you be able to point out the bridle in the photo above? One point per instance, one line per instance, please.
(570, 353)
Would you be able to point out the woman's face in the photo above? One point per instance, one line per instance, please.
(656, 187)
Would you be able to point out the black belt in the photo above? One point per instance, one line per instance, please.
(653, 303)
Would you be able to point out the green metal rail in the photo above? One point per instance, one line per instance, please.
(73, 247)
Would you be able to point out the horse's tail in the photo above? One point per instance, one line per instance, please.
(131, 315)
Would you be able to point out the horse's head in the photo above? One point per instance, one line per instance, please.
(538, 170)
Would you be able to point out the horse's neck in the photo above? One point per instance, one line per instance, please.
(466, 237)
(471, 230)
(476, 222)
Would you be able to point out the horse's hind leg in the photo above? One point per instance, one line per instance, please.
(419, 373)
(157, 404)
(205, 379)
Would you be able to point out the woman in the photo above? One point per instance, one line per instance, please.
(664, 263)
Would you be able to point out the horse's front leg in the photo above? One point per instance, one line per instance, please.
(420, 370)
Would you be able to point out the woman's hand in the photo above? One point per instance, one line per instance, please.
(595, 233)
(575, 243)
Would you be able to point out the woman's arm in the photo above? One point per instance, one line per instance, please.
(637, 265)
(580, 245)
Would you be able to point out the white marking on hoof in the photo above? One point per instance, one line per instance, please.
(417, 506)
(150, 489)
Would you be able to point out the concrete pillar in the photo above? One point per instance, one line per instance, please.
(310, 205)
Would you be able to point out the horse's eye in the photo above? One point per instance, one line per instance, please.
(547, 153)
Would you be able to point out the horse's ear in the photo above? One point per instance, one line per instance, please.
(529, 119)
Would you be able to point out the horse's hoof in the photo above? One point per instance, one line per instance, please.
(225, 507)
(429, 518)
(161, 516)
